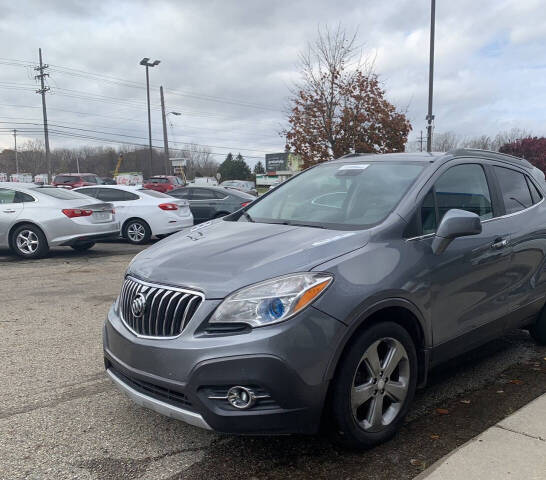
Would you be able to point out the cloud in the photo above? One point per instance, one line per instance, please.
(228, 65)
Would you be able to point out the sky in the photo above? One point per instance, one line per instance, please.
(227, 67)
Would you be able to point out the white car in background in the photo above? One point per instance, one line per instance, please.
(143, 213)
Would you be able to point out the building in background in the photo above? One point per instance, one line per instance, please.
(279, 167)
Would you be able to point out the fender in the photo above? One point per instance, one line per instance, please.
(364, 311)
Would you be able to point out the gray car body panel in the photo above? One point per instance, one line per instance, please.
(461, 298)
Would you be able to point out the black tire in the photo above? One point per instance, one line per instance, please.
(134, 225)
(83, 247)
(35, 247)
(354, 430)
(538, 329)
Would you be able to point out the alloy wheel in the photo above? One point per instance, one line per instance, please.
(27, 242)
(136, 232)
(380, 384)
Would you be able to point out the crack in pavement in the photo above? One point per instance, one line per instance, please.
(521, 433)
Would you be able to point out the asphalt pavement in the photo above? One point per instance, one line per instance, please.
(61, 417)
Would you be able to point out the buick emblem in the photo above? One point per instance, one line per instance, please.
(138, 306)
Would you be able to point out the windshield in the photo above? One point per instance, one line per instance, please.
(157, 180)
(153, 193)
(61, 193)
(338, 195)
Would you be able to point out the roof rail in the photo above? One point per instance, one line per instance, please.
(489, 154)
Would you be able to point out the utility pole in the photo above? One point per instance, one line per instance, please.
(16, 159)
(421, 141)
(146, 63)
(430, 117)
(43, 91)
(165, 139)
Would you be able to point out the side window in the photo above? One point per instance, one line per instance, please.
(21, 197)
(535, 194)
(114, 195)
(464, 187)
(7, 196)
(428, 213)
(514, 189)
(202, 194)
(220, 195)
(90, 192)
(182, 193)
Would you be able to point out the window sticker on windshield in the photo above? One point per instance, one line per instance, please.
(358, 166)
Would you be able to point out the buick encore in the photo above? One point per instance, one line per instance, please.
(327, 300)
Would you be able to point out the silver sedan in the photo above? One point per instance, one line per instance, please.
(34, 218)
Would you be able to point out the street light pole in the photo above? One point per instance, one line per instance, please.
(16, 158)
(146, 62)
(165, 136)
(430, 117)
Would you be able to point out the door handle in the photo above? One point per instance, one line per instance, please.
(499, 243)
(9, 211)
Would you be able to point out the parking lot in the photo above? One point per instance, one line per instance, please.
(60, 417)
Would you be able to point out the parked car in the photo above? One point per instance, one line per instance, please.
(242, 185)
(74, 180)
(207, 203)
(34, 218)
(107, 181)
(143, 213)
(163, 183)
(332, 296)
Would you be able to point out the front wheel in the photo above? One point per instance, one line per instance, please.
(374, 386)
(538, 329)
(137, 232)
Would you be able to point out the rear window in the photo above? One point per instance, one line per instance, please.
(153, 193)
(66, 179)
(60, 193)
(157, 180)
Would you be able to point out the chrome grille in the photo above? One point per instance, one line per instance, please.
(154, 310)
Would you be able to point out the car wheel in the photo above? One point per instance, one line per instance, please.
(82, 247)
(374, 386)
(29, 241)
(538, 329)
(137, 232)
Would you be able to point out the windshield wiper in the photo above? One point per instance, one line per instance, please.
(247, 216)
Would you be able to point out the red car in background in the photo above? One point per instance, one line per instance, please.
(75, 180)
(163, 183)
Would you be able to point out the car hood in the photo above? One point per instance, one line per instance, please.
(220, 257)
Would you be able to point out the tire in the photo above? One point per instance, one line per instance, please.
(28, 241)
(538, 329)
(137, 231)
(369, 384)
(83, 247)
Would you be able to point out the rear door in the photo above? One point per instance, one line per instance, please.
(10, 209)
(525, 214)
(203, 203)
(122, 200)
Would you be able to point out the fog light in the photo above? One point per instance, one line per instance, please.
(241, 397)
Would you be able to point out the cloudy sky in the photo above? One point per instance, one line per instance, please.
(227, 66)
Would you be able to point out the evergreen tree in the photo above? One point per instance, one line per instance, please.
(259, 168)
(234, 168)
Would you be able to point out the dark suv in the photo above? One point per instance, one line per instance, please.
(331, 296)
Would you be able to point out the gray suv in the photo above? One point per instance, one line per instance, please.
(330, 298)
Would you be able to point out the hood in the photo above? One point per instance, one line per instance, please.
(220, 257)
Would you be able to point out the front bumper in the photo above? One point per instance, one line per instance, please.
(176, 377)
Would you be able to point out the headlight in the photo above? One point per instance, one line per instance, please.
(272, 301)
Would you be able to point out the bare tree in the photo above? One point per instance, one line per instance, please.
(199, 161)
(444, 142)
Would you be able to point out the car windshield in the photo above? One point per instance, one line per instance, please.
(157, 180)
(61, 193)
(153, 193)
(338, 195)
(66, 179)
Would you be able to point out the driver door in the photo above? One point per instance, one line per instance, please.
(470, 281)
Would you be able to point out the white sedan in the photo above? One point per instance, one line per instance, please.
(143, 213)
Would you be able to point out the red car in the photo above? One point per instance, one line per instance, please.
(163, 183)
(74, 180)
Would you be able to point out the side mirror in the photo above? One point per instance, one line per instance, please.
(456, 223)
